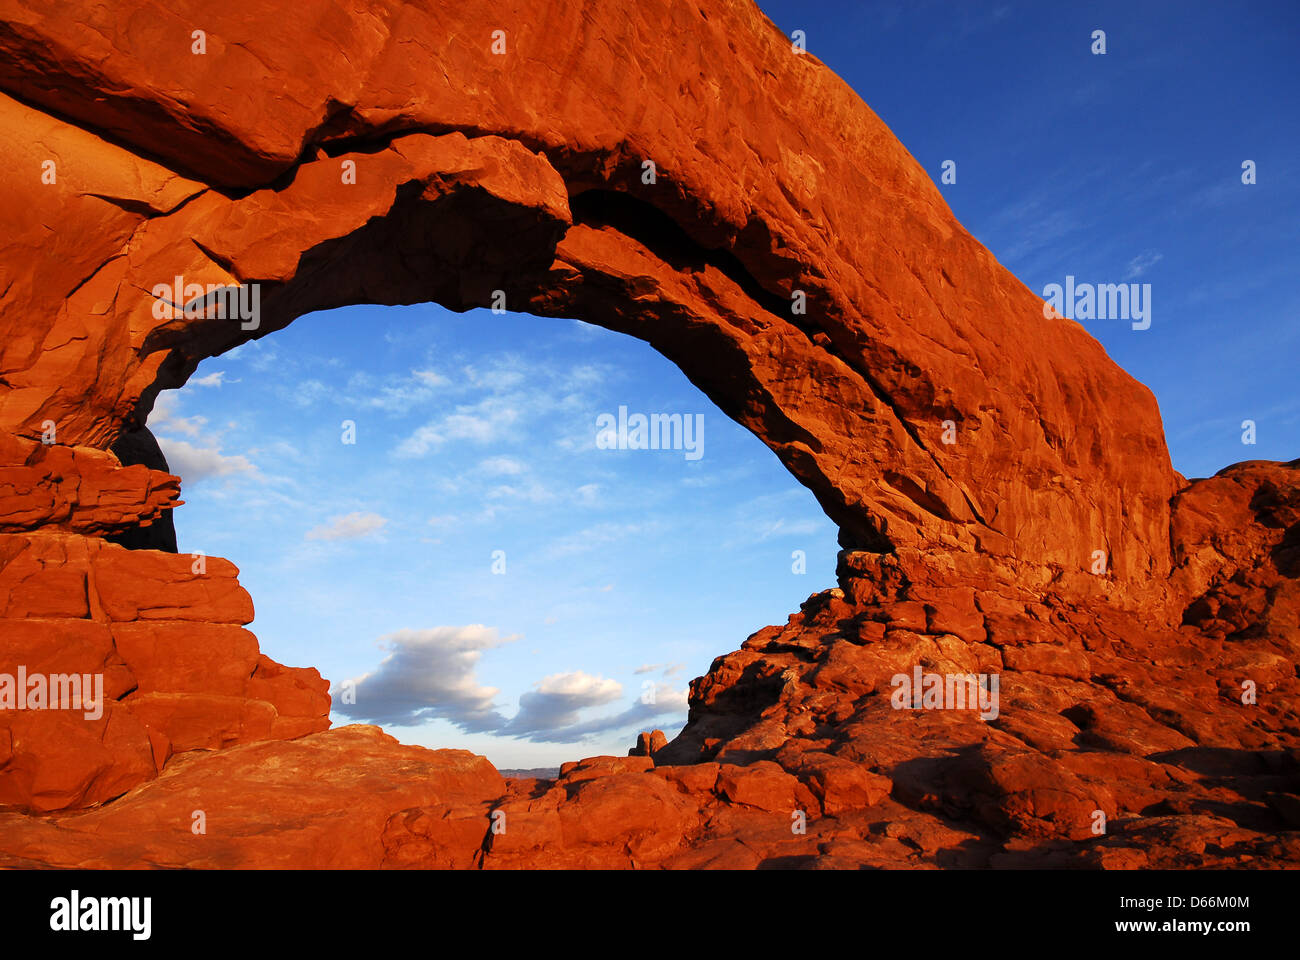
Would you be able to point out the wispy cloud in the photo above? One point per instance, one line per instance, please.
(668, 668)
(1142, 263)
(214, 379)
(495, 400)
(526, 492)
(199, 457)
(349, 526)
(501, 466)
(600, 535)
(397, 395)
(587, 495)
(482, 422)
(309, 393)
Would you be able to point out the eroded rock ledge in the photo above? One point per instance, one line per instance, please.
(1103, 718)
(132, 160)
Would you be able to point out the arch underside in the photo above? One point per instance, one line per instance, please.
(475, 172)
(381, 153)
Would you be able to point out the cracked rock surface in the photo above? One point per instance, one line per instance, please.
(380, 152)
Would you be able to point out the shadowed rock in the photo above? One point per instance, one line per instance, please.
(1003, 491)
(140, 446)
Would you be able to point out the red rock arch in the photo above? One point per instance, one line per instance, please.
(770, 174)
(130, 160)
(476, 172)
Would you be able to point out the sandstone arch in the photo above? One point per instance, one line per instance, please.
(523, 172)
(469, 166)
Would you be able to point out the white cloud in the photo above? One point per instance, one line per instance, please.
(430, 378)
(482, 422)
(214, 379)
(398, 396)
(309, 393)
(201, 459)
(420, 442)
(192, 463)
(429, 674)
(505, 374)
(584, 375)
(348, 527)
(497, 398)
(558, 700)
(550, 723)
(164, 419)
(530, 492)
(506, 466)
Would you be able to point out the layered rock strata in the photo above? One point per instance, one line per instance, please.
(679, 173)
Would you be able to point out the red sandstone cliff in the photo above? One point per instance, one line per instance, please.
(473, 171)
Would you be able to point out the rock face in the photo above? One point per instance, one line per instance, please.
(748, 216)
(476, 171)
(179, 671)
(648, 743)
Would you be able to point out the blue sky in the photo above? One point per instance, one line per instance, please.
(1115, 168)
(624, 572)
